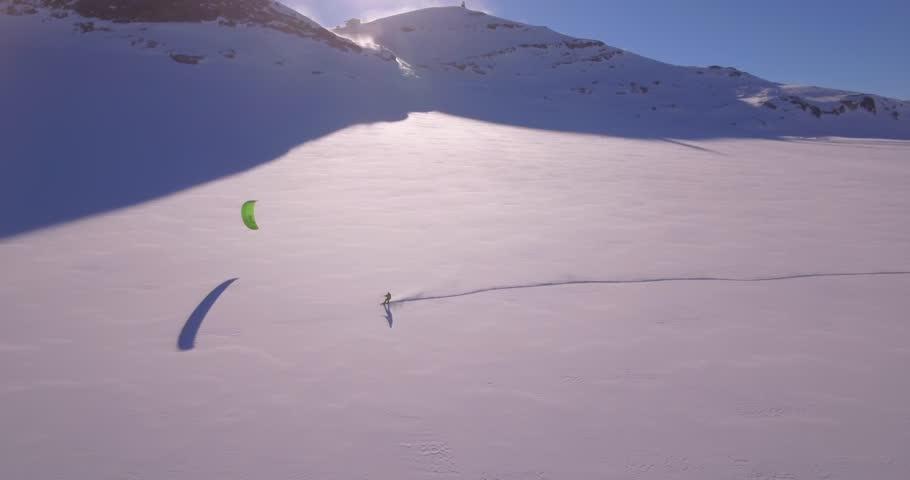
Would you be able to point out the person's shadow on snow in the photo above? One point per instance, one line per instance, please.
(388, 315)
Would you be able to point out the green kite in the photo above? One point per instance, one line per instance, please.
(246, 213)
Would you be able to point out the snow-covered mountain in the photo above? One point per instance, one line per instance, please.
(453, 43)
(470, 63)
(453, 39)
(181, 28)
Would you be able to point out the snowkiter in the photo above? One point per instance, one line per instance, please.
(388, 298)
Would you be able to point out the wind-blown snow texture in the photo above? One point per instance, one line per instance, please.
(128, 149)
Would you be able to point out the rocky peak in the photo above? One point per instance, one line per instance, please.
(265, 13)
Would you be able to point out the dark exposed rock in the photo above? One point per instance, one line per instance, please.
(770, 104)
(186, 59)
(463, 67)
(804, 105)
(407, 29)
(228, 12)
(55, 4)
(732, 71)
(867, 103)
(574, 44)
(494, 26)
(604, 56)
(174, 10)
(496, 53)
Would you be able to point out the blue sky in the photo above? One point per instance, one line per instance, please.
(854, 45)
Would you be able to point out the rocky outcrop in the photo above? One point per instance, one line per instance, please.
(867, 103)
(843, 106)
(494, 26)
(265, 13)
(186, 59)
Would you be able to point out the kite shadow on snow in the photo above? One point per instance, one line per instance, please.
(187, 338)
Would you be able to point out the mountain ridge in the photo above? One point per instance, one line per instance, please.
(230, 13)
(441, 51)
(465, 43)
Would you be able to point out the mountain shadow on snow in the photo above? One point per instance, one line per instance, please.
(109, 103)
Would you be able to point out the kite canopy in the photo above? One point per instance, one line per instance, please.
(246, 212)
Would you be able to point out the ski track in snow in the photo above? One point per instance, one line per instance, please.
(420, 298)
